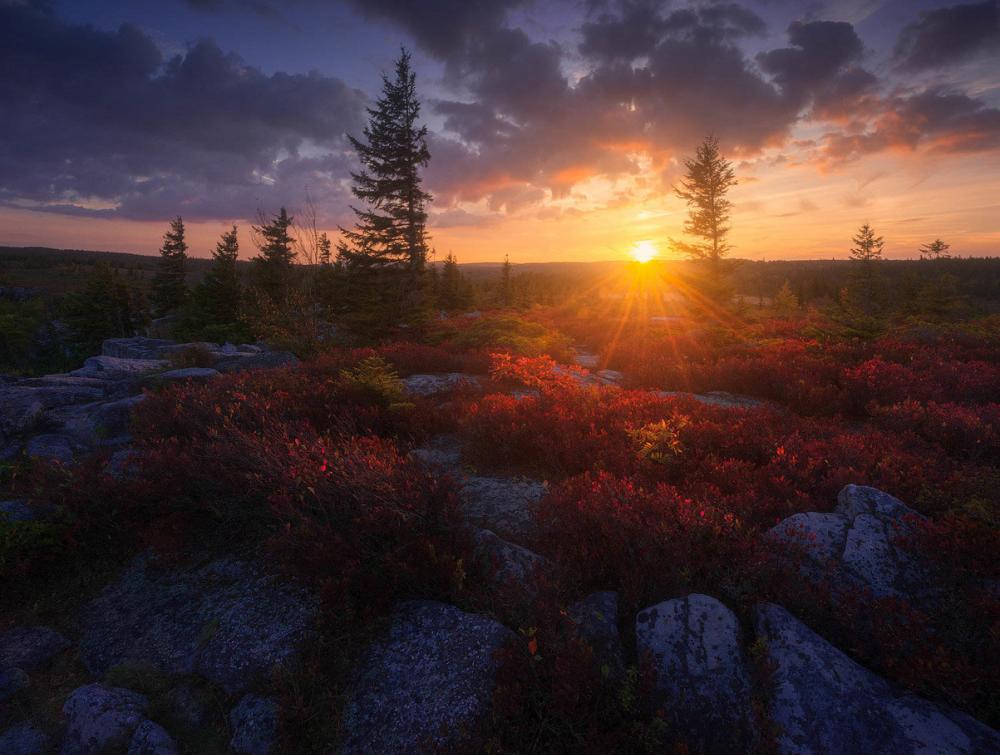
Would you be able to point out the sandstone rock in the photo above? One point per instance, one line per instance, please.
(510, 562)
(24, 739)
(100, 718)
(254, 722)
(259, 361)
(429, 385)
(50, 447)
(596, 617)
(856, 542)
(700, 674)
(427, 684)
(826, 703)
(151, 739)
(12, 681)
(30, 648)
(226, 621)
(115, 368)
(501, 504)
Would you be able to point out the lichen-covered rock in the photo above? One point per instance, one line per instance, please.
(12, 681)
(256, 361)
(508, 561)
(501, 504)
(596, 618)
(100, 718)
(254, 722)
(50, 447)
(428, 385)
(30, 648)
(226, 621)
(856, 542)
(824, 702)
(427, 684)
(701, 680)
(151, 739)
(115, 368)
(135, 347)
(24, 739)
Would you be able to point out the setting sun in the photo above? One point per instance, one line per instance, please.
(643, 251)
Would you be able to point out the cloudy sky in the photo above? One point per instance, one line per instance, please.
(557, 126)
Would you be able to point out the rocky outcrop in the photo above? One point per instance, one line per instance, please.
(226, 621)
(429, 385)
(100, 718)
(856, 543)
(701, 680)
(116, 368)
(244, 361)
(30, 648)
(24, 739)
(826, 703)
(254, 722)
(427, 684)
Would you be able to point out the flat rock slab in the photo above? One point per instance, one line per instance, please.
(50, 447)
(826, 703)
(226, 621)
(100, 718)
(24, 739)
(856, 542)
(30, 648)
(701, 680)
(187, 373)
(723, 399)
(427, 684)
(135, 347)
(429, 385)
(501, 504)
(115, 368)
(256, 361)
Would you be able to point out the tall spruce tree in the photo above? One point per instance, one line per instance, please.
(506, 297)
(385, 254)
(704, 187)
(867, 246)
(168, 287)
(273, 267)
(220, 291)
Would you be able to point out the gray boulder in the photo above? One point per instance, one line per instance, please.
(30, 648)
(855, 542)
(596, 618)
(136, 347)
(115, 368)
(50, 447)
(257, 361)
(429, 385)
(226, 621)
(12, 681)
(254, 722)
(701, 679)
(24, 739)
(100, 718)
(509, 562)
(826, 703)
(501, 504)
(151, 739)
(197, 374)
(427, 684)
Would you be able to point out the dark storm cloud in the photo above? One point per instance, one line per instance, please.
(949, 35)
(94, 118)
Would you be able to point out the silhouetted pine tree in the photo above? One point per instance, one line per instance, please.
(451, 289)
(106, 307)
(936, 250)
(506, 295)
(384, 256)
(273, 267)
(168, 287)
(220, 292)
(709, 178)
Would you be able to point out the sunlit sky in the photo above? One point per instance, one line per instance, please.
(556, 128)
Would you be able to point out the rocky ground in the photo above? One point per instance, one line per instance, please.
(215, 631)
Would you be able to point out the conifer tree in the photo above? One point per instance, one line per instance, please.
(936, 250)
(106, 307)
(385, 255)
(272, 268)
(704, 187)
(168, 287)
(220, 288)
(451, 294)
(867, 246)
(786, 303)
(323, 249)
(505, 282)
